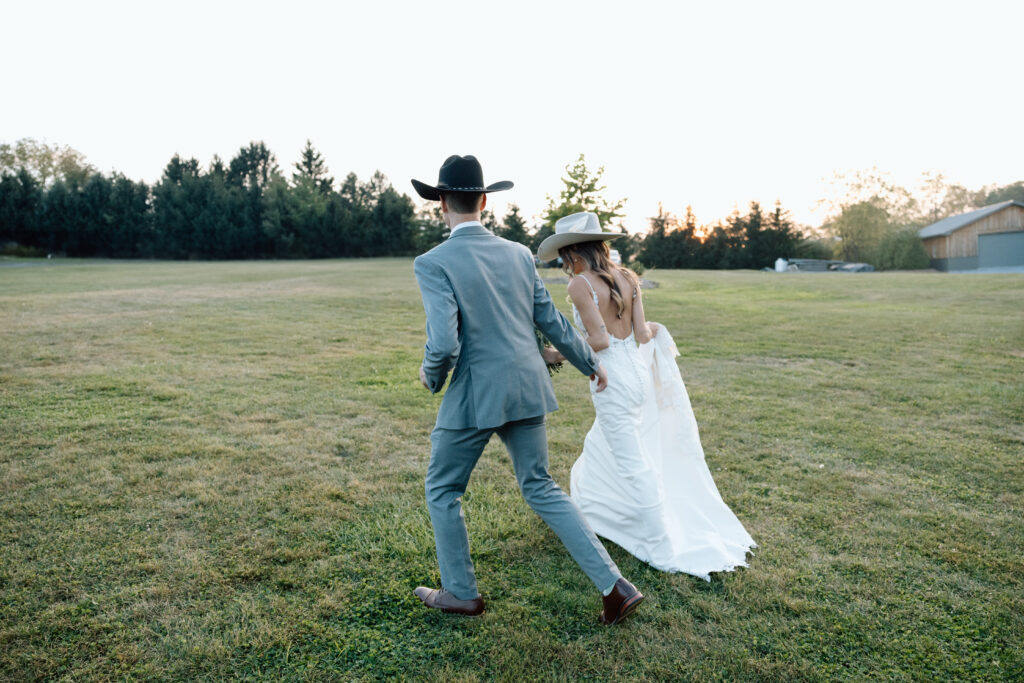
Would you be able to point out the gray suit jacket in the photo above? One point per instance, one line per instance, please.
(483, 297)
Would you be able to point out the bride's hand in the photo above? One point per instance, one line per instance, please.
(654, 327)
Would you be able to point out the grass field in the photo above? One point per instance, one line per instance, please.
(214, 471)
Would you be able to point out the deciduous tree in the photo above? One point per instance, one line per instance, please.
(582, 192)
(46, 163)
(860, 228)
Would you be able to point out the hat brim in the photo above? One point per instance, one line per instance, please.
(434, 193)
(548, 249)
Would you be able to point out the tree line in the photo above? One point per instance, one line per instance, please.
(876, 220)
(53, 202)
(245, 208)
(871, 219)
(753, 240)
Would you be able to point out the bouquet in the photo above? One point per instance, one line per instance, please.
(542, 345)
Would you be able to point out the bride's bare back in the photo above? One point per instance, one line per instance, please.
(603, 319)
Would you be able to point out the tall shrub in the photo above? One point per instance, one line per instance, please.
(901, 250)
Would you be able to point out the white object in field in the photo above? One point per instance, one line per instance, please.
(781, 265)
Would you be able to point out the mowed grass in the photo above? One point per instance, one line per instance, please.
(214, 471)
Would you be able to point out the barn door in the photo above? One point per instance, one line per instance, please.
(1001, 249)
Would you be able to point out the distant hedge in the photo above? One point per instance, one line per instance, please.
(901, 250)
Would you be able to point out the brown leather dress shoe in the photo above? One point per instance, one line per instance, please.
(439, 598)
(620, 603)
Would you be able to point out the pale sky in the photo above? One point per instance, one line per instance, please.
(712, 104)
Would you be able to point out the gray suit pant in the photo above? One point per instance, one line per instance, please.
(453, 456)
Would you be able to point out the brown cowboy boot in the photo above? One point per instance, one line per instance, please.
(620, 603)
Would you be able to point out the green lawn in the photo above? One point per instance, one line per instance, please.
(214, 470)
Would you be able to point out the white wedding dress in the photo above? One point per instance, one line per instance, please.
(641, 481)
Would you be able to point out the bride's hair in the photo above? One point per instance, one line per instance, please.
(597, 256)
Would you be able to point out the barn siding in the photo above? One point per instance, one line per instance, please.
(964, 242)
(937, 247)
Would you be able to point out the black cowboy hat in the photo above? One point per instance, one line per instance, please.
(459, 174)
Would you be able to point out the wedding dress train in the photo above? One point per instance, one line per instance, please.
(641, 480)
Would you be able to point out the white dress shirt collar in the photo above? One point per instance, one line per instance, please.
(464, 224)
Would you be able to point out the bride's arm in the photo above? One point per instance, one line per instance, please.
(642, 330)
(597, 333)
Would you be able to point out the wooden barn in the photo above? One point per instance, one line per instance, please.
(990, 237)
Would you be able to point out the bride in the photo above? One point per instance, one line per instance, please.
(641, 480)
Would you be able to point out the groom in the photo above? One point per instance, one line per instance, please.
(483, 297)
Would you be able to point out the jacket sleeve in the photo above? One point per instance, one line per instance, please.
(441, 351)
(557, 329)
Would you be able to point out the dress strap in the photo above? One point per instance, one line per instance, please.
(591, 287)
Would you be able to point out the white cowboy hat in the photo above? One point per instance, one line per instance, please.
(574, 228)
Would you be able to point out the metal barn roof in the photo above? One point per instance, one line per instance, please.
(953, 223)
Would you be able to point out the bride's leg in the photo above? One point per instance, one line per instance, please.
(618, 422)
(639, 507)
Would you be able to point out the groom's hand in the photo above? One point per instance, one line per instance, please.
(552, 355)
(602, 378)
(423, 378)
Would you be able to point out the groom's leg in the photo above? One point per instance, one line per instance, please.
(453, 455)
(527, 444)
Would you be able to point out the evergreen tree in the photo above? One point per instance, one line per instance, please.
(177, 210)
(582, 192)
(376, 219)
(353, 215)
(21, 198)
(59, 219)
(253, 166)
(652, 251)
(627, 246)
(429, 227)
(222, 224)
(310, 170)
(751, 246)
(251, 170)
(513, 227)
(338, 219)
(281, 221)
(543, 232)
(393, 216)
(688, 244)
(490, 221)
(129, 230)
(719, 249)
(778, 239)
(95, 227)
(684, 247)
